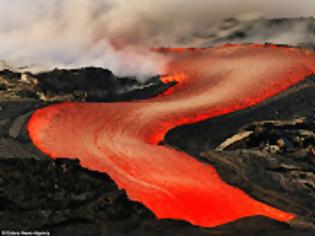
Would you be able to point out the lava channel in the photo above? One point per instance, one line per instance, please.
(121, 139)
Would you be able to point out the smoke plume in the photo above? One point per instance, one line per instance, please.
(116, 34)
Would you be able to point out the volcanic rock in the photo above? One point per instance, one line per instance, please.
(63, 198)
(86, 84)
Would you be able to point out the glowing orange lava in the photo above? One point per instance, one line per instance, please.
(120, 138)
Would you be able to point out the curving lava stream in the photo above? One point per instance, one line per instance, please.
(121, 139)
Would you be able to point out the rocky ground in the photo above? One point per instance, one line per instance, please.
(64, 199)
(83, 85)
(266, 150)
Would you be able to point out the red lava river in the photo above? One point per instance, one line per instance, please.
(121, 139)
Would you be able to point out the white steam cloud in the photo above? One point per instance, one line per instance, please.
(116, 34)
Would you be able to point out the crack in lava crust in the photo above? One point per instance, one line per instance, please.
(121, 139)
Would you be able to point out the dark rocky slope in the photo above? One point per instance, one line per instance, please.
(64, 199)
(86, 84)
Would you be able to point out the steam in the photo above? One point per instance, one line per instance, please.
(60, 34)
(292, 31)
(116, 34)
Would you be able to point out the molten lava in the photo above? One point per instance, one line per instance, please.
(120, 138)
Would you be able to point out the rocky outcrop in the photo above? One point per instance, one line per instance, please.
(86, 84)
(275, 164)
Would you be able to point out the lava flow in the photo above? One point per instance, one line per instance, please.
(121, 139)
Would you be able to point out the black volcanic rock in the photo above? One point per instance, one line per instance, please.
(275, 163)
(96, 84)
(65, 199)
(85, 84)
(10, 75)
(67, 81)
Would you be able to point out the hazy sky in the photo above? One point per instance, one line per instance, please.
(111, 32)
